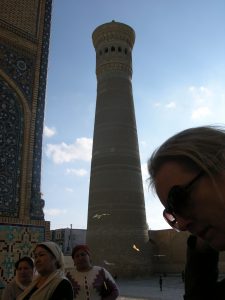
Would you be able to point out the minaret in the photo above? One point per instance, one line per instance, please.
(116, 213)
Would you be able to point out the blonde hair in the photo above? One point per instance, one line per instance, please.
(199, 148)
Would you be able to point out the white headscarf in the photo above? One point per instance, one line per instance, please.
(56, 251)
(46, 290)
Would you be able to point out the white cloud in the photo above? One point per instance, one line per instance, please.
(77, 172)
(156, 104)
(203, 102)
(49, 132)
(171, 105)
(69, 190)
(80, 150)
(200, 94)
(200, 113)
(53, 212)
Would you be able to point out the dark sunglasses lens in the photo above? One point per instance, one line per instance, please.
(176, 199)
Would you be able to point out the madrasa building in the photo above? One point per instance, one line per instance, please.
(122, 241)
(24, 44)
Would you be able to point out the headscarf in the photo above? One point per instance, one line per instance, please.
(49, 286)
(30, 262)
(46, 290)
(55, 250)
(85, 248)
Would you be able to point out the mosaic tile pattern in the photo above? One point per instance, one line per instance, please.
(37, 204)
(19, 67)
(15, 242)
(11, 137)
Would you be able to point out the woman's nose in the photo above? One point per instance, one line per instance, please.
(36, 259)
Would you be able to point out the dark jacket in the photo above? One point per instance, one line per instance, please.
(201, 272)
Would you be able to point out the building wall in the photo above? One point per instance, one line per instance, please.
(24, 42)
(68, 238)
(168, 250)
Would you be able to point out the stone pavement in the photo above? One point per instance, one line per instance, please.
(143, 289)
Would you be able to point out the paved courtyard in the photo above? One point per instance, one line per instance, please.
(172, 288)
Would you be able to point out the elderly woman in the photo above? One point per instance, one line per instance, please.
(188, 174)
(51, 283)
(24, 274)
(90, 282)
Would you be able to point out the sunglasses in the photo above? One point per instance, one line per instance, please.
(177, 201)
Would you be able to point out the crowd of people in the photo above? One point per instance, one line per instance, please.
(50, 282)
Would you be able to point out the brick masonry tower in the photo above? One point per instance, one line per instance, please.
(117, 232)
(24, 43)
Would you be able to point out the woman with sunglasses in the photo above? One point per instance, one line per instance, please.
(188, 174)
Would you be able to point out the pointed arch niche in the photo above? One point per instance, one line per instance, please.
(15, 116)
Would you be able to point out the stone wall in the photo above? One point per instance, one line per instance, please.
(169, 251)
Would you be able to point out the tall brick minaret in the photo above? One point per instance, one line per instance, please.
(117, 231)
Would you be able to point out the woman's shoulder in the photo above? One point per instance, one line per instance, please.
(97, 268)
(64, 283)
(63, 291)
(11, 290)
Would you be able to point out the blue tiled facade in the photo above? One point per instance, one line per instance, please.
(24, 44)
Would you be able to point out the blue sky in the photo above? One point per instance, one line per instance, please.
(178, 82)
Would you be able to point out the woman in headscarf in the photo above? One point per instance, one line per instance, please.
(24, 274)
(90, 282)
(51, 283)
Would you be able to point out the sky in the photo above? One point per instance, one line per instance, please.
(178, 82)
